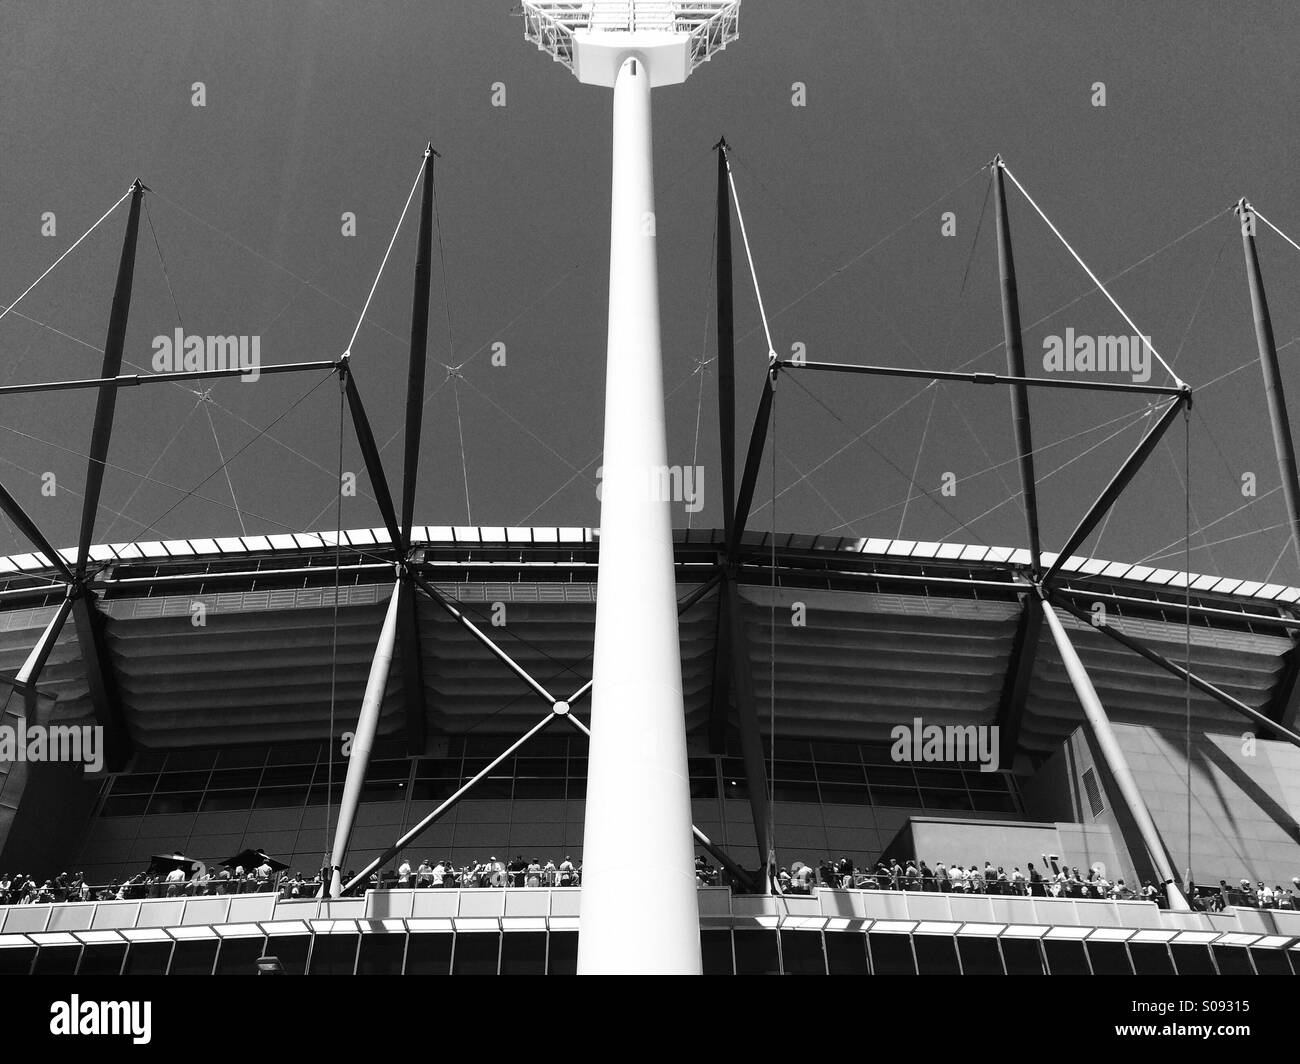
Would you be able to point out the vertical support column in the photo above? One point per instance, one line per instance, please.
(364, 738)
(640, 912)
(1113, 755)
(1016, 365)
(1283, 443)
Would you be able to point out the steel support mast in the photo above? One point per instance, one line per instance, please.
(640, 912)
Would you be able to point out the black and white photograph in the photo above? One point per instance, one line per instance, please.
(649, 487)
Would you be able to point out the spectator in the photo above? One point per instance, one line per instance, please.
(567, 878)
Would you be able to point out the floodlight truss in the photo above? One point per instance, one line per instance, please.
(710, 25)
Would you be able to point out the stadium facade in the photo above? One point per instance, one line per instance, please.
(229, 729)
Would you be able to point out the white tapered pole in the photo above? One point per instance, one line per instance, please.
(363, 739)
(640, 912)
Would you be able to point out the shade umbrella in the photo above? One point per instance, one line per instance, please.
(251, 859)
(162, 863)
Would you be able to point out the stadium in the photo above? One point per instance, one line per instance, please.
(340, 706)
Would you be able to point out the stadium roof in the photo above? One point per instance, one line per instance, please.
(894, 630)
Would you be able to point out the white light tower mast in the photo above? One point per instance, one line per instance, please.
(639, 913)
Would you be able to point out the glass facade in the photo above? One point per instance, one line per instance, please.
(742, 951)
(550, 767)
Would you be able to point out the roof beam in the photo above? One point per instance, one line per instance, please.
(370, 455)
(726, 345)
(1118, 483)
(1284, 707)
(130, 380)
(419, 351)
(1020, 672)
(100, 680)
(754, 456)
(980, 378)
(102, 429)
(720, 686)
(1016, 368)
(408, 645)
(14, 511)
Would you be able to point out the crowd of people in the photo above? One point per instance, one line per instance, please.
(1053, 879)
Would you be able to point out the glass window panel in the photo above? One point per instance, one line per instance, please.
(1109, 958)
(193, 958)
(795, 792)
(383, 791)
(334, 954)
(546, 746)
(1022, 956)
(1065, 957)
(702, 767)
(801, 953)
(430, 953)
(878, 755)
(539, 788)
(57, 960)
(102, 959)
(846, 952)
(840, 774)
(540, 766)
(946, 799)
(381, 953)
(1233, 960)
(1270, 961)
(936, 954)
(733, 767)
(215, 801)
(796, 771)
(476, 953)
(280, 797)
(1191, 959)
(433, 790)
(175, 803)
(238, 956)
(523, 953)
(891, 776)
(891, 954)
(904, 797)
(487, 745)
(979, 955)
(126, 805)
(319, 791)
(844, 794)
(704, 788)
(993, 803)
(491, 787)
(756, 953)
(716, 949)
(735, 787)
(577, 767)
(438, 768)
(389, 770)
(148, 958)
(182, 781)
(287, 776)
(932, 776)
(232, 778)
(562, 953)
(1151, 958)
(986, 781)
(578, 787)
(135, 784)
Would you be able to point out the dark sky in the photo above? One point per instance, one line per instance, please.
(314, 109)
